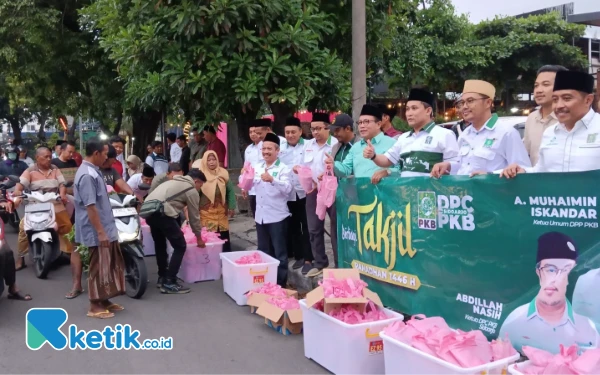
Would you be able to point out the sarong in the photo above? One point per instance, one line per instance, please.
(106, 275)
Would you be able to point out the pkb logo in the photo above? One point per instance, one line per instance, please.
(441, 210)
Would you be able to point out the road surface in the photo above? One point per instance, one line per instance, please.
(211, 334)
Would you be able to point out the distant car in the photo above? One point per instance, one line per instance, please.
(517, 121)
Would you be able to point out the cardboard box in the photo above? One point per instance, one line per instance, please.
(256, 299)
(332, 304)
(285, 322)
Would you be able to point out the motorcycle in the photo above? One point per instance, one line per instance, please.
(130, 240)
(41, 229)
(11, 218)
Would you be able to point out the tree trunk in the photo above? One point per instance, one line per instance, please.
(145, 125)
(42, 118)
(119, 123)
(15, 124)
(234, 152)
(242, 120)
(71, 130)
(281, 111)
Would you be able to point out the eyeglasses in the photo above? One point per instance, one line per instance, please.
(469, 102)
(318, 129)
(365, 122)
(553, 271)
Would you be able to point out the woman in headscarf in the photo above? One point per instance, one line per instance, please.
(217, 197)
(134, 166)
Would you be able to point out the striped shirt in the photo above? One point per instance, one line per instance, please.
(49, 181)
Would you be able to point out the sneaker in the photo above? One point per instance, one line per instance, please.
(306, 267)
(298, 264)
(174, 288)
(314, 271)
(160, 282)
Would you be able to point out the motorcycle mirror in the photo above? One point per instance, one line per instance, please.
(14, 178)
(8, 184)
(143, 186)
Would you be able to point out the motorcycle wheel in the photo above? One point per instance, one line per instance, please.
(14, 220)
(41, 254)
(136, 276)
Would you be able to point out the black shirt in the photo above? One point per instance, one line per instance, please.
(185, 160)
(61, 164)
(110, 176)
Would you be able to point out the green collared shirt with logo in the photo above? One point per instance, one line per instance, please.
(419, 152)
(355, 164)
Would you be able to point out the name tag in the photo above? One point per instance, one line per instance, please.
(428, 140)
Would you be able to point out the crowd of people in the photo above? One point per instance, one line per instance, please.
(190, 181)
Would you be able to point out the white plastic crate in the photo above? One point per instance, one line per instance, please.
(147, 241)
(345, 348)
(522, 365)
(238, 279)
(201, 264)
(401, 358)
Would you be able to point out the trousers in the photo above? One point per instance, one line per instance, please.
(165, 228)
(316, 230)
(7, 268)
(272, 239)
(298, 237)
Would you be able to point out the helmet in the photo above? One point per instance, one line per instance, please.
(12, 153)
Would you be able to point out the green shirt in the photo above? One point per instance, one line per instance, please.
(343, 152)
(355, 164)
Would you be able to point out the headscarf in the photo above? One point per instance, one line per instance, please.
(217, 177)
(137, 162)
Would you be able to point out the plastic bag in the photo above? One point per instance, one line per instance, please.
(344, 288)
(269, 289)
(253, 258)
(247, 178)
(306, 179)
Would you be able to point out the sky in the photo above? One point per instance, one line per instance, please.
(484, 9)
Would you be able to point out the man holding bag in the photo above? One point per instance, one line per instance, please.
(161, 210)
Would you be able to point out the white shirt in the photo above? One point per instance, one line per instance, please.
(492, 148)
(314, 156)
(175, 153)
(28, 161)
(160, 165)
(577, 150)
(133, 183)
(253, 155)
(292, 156)
(272, 197)
(419, 152)
(585, 296)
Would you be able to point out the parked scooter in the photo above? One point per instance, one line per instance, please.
(10, 218)
(124, 208)
(41, 229)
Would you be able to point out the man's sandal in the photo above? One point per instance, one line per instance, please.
(113, 307)
(101, 314)
(74, 294)
(19, 297)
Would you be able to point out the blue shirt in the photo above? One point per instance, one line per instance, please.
(89, 189)
(356, 164)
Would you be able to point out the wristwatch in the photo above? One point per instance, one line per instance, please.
(374, 155)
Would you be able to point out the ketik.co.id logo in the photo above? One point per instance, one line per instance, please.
(43, 325)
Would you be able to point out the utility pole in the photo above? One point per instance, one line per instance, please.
(359, 58)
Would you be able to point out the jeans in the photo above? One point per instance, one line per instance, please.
(316, 230)
(165, 228)
(298, 238)
(272, 240)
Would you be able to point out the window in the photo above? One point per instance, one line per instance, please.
(595, 49)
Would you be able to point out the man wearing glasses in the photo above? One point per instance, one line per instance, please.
(485, 146)
(549, 321)
(314, 158)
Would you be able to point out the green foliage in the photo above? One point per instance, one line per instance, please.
(214, 58)
(400, 124)
(84, 251)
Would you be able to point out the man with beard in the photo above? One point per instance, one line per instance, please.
(572, 145)
(543, 118)
(486, 145)
(549, 321)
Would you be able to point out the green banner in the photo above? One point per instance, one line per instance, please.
(467, 249)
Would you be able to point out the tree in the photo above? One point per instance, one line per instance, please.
(222, 58)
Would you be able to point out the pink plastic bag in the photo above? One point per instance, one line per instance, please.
(502, 349)
(306, 179)
(587, 363)
(321, 209)
(471, 349)
(247, 178)
(285, 303)
(269, 289)
(328, 187)
(253, 258)
(345, 288)
(349, 314)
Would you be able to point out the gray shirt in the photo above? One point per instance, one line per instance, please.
(89, 189)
